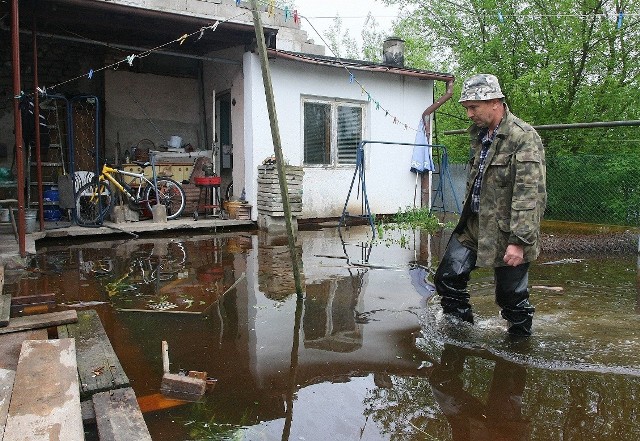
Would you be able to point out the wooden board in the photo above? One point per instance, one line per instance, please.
(40, 321)
(34, 299)
(45, 404)
(6, 385)
(10, 345)
(5, 302)
(98, 364)
(118, 416)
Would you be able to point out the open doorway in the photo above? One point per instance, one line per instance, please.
(224, 146)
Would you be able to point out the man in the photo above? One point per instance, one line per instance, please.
(505, 199)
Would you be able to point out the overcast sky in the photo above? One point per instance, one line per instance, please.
(353, 13)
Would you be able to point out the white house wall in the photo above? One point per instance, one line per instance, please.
(390, 184)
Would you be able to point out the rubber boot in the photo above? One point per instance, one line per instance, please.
(512, 295)
(451, 279)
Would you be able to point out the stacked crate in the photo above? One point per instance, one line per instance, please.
(269, 203)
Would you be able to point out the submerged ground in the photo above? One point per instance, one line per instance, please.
(367, 353)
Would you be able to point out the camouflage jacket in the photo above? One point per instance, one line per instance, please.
(513, 195)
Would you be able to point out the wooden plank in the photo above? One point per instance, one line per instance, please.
(40, 321)
(35, 299)
(7, 378)
(45, 404)
(118, 416)
(10, 345)
(98, 365)
(5, 302)
(5, 309)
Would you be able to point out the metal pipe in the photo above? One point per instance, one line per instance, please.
(425, 180)
(15, 61)
(590, 125)
(36, 116)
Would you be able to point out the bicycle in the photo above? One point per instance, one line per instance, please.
(95, 199)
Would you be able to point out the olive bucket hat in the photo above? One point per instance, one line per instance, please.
(480, 87)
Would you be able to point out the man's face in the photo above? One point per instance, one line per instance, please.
(484, 113)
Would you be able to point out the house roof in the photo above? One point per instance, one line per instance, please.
(112, 23)
(361, 65)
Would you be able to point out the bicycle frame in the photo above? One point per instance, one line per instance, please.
(108, 172)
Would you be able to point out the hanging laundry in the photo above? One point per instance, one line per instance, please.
(27, 110)
(422, 159)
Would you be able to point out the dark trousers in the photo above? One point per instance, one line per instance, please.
(512, 293)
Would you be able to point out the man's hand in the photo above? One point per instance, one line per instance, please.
(514, 255)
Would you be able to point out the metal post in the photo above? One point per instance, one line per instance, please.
(15, 62)
(36, 116)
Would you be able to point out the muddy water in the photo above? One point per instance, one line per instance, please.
(367, 354)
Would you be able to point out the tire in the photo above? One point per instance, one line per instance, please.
(171, 196)
(91, 209)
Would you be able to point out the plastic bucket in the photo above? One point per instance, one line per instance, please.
(51, 211)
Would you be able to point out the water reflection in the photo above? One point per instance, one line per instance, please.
(365, 355)
(500, 418)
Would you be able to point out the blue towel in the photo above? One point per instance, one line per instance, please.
(421, 160)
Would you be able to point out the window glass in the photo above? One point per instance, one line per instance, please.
(332, 131)
(317, 133)
(349, 133)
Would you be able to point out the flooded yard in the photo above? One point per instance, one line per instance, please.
(367, 353)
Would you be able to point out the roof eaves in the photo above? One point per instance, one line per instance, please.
(360, 65)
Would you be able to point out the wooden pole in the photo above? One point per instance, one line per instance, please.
(165, 357)
(277, 146)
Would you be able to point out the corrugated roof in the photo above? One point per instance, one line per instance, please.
(360, 65)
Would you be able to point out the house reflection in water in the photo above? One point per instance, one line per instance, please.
(330, 315)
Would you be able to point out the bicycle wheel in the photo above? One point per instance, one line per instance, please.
(93, 202)
(171, 196)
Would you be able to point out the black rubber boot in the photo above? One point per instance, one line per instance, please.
(451, 279)
(512, 295)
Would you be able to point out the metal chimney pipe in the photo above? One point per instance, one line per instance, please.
(393, 52)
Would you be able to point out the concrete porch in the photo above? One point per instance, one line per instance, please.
(10, 252)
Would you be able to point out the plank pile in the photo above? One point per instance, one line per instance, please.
(269, 195)
(42, 380)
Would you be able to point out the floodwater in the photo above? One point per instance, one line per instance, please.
(367, 355)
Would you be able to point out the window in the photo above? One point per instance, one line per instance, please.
(332, 131)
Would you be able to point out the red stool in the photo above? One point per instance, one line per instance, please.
(209, 197)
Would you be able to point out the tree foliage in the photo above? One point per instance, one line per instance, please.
(558, 62)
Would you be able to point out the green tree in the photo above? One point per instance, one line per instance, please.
(558, 62)
(341, 43)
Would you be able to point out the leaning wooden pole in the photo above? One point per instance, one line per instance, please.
(277, 146)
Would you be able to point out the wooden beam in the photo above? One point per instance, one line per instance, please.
(34, 299)
(277, 145)
(5, 302)
(7, 378)
(45, 403)
(11, 344)
(40, 321)
(118, 416)
(98, 365)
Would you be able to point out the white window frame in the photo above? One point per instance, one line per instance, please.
(334, 104)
